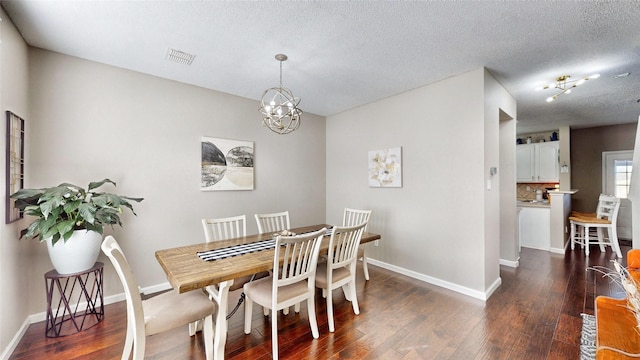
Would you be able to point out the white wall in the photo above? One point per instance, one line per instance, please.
(13, 267)
(91, 121)
(509, 244)
(500, 196)
(434, 226)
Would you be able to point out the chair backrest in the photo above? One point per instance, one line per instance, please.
(135, 312)
(608, 207)
(296, 259)
(273, 222)
(343, 245)
(354, 217)
(224, 228)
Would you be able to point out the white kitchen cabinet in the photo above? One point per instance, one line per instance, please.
(538, 163)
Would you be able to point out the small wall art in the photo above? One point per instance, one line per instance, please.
(14, 162)
(226, 164)
(385, 167)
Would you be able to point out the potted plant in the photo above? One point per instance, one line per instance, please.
(74, 215)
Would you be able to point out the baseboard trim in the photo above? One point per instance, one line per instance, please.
(556, 251)
(16, 339)
(439, 282)
(509, 263)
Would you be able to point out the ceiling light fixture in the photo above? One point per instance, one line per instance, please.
(565, 85)
(279, 108)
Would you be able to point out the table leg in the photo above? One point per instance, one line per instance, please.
(220, 339)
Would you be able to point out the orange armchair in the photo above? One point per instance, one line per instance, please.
(617, 335)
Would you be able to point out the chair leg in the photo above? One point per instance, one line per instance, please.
(207, 333)
(365, 268)
(573, 236)
(128, 344)
(586, 230)
(613, 238)
(354, 298)
(311, 309)
(139, 344)
(274, 334)
(601, 238)
(329, 311)
(265, 311)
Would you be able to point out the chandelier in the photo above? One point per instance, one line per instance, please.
(279, 108)
(565, 85)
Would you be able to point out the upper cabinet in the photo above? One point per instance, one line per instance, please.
(538, 162)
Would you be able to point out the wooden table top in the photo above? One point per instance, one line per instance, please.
(186, 271)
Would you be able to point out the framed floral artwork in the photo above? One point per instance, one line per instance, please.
(226, 164)
(385, 167)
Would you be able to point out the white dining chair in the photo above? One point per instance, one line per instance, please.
(293, 281)
(606, 219)
(160, 313)
(354, 217)
(224, 228)
(339, 271)
(217, 230)
(273, 222)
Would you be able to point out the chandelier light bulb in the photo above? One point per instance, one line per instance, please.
(550, 98)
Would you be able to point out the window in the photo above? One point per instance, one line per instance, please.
(622, 170)
(616, 172)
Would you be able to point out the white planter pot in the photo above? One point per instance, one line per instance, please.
(77, 254)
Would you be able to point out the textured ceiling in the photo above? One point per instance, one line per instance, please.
(346, 54)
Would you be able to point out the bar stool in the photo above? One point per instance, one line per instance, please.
(606, 218)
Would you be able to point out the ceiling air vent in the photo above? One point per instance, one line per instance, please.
(180, 57)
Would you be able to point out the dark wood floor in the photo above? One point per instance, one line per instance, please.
(535, 314)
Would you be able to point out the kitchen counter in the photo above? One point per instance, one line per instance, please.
(570, 192)
(533, 203)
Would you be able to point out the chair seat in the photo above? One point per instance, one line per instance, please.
(583, 214)
(164, 312)
(260, 291)
(338, 274)
(586, 220)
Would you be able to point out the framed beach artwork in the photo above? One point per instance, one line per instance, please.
(226, 164)
(385, 167)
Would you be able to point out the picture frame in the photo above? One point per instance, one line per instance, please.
(14, 163)
(385, 167)
(226, 164)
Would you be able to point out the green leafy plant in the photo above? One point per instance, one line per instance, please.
(62, 209)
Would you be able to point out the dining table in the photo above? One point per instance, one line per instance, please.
(187, 270)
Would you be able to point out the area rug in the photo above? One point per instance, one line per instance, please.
(588, 337)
